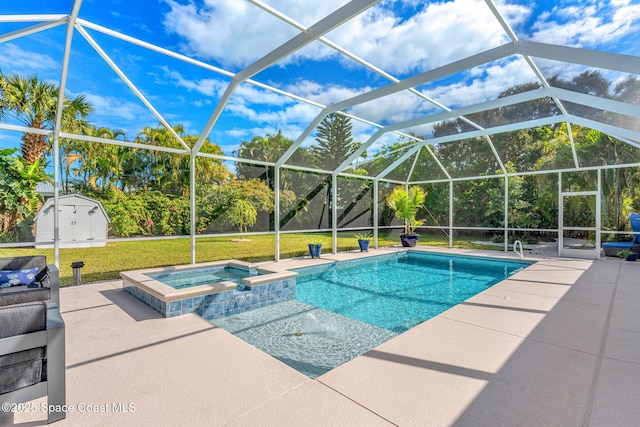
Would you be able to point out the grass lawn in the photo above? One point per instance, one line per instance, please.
(104, 263)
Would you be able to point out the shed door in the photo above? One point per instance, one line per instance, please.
(76, 223)
(67, 223)
(84, 223)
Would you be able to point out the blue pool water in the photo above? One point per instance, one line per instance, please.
(202, 276)
(345, 309)
(399, 292)
(307, 338)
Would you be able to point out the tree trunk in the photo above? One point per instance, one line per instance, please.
(33, 147)
(8, 221)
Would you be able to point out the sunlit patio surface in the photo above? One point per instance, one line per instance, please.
(557, 344)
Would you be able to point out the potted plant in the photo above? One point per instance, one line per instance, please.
(405, 205)
(315, 247)
(363, 241)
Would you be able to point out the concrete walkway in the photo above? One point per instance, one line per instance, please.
(558, 344)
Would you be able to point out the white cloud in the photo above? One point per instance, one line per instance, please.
(236, 33)
(231, 32)
(303, 13)
(214, 88)
(117, 113)
(208, 87)
(487, 83)
(601, 23)
(394, 108)
(324, 94)
(16, 60)
(437, 34)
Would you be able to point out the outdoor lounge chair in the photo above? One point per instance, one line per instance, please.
(32, 338)
(612, 248)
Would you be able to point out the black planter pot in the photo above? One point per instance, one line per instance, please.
(409, 240)
(632, 257)
(315, 250)
(364, 245)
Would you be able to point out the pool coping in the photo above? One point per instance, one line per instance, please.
(168, 294)
(292, 264)
(210, 300)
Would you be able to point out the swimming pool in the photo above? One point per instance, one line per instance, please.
(399, 292)
(344, 309)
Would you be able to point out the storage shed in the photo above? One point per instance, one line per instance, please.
(83, 223)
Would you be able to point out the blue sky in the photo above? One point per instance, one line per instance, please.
(402, 38)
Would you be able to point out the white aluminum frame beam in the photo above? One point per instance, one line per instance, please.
(23, 32)
(597, 102)
(514, 38)
(58, 128)
(575, 55)
(576, 162)
(130, 84)
(25, 129)
(551, 92)
(497, 103)
(34, 17)
(123, 143)
(629, 136)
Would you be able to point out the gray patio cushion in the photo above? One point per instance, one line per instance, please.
(21, 369)
(22, 319)
(22, 294)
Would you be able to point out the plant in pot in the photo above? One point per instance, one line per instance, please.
(405, 204)
(315, 247)
(363, 241)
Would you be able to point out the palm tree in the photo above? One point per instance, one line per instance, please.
(34, 104)
(268, 149)
(85, 155)
(168, 172)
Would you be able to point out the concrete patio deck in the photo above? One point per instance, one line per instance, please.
(557, 344)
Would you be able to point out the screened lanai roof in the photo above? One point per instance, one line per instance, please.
(431, 72)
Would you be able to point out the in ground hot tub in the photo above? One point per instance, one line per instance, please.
(211, 289)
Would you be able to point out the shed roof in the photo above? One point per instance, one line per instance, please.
(70, 199)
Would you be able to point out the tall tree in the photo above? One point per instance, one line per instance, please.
(34, 103)
(335, 145)
(335, 141)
